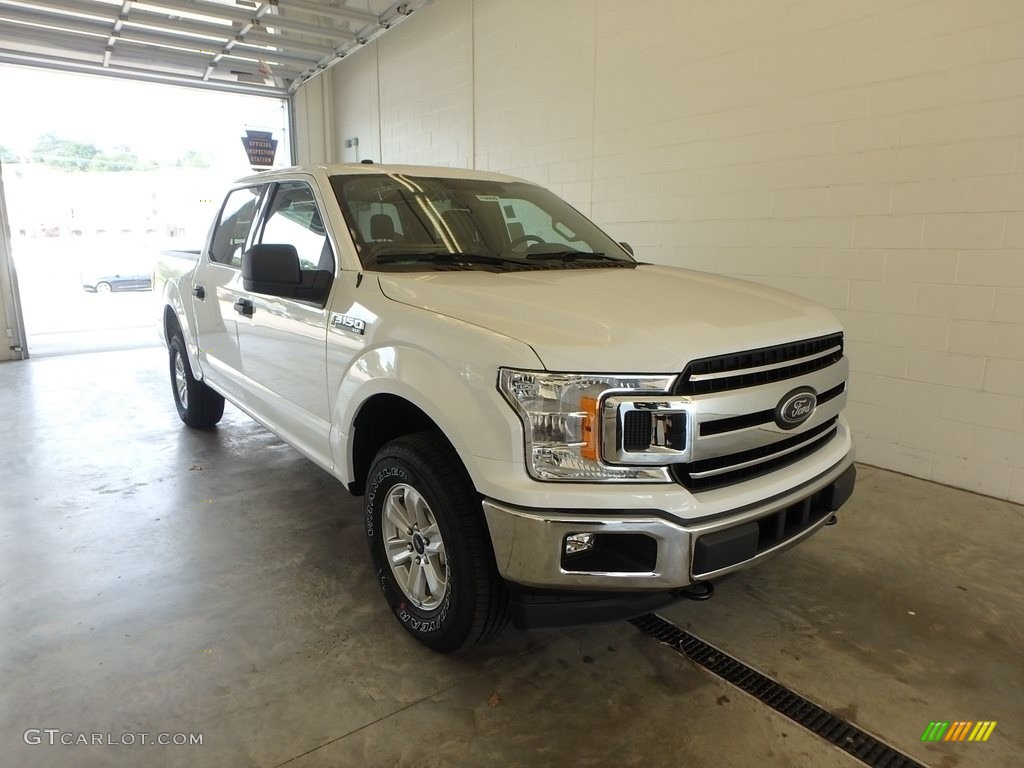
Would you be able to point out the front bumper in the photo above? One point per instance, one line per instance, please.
(658, 552)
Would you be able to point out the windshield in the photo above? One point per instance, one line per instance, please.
(405, 223)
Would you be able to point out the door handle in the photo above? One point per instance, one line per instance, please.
(244, 307)
(199, 292)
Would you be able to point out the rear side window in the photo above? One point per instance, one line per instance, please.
(233, 227)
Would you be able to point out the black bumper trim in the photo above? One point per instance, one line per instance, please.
(739, 543)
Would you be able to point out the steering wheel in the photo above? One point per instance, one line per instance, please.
(523, 239)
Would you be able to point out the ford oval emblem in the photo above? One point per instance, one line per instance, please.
(795, 407)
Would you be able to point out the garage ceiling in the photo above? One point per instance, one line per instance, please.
(245, 46)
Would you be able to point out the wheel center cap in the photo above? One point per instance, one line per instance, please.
(417, 543)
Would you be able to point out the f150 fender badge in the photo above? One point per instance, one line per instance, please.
(347, 323)
(795, 407)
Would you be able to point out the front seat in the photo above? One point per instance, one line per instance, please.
(382, 228)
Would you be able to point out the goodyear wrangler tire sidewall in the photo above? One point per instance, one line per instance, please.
(431, 627)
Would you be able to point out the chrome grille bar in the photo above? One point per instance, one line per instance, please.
(670, 429)
(754, 462)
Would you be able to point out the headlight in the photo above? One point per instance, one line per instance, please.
(561, 420)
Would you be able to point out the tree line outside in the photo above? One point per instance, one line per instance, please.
(58, 152)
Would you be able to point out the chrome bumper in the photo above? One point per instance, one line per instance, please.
(529, 543)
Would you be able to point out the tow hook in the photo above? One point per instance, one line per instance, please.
(700, 590)
(832, 520)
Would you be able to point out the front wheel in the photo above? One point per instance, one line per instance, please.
(430, 545)
(103, 287)
(198, 405)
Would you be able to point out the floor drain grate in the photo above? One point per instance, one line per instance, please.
(830, 727)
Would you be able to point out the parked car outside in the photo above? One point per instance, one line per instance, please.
(118, 265)
(106, 282)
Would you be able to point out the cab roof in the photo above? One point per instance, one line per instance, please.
(357, 169)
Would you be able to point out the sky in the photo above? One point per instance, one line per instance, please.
(159, 122)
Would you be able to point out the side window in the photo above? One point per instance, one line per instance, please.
(233, 227)
(294, 219)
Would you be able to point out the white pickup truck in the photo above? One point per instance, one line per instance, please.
(541, 426)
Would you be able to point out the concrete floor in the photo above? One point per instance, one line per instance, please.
(154, 579)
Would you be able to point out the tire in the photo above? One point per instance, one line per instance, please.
(103, 287)
(198, 405)
(455, 598)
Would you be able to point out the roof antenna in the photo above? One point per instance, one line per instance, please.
(367, 161)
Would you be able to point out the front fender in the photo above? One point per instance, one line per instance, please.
(461, 397)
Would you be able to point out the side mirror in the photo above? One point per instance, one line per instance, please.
(272, 270)
(627, 248)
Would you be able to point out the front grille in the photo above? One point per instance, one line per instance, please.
(710, 433)
(763, 455)
(759, 366)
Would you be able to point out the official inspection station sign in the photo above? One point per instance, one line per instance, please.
(261, 147)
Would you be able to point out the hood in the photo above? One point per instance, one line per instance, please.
(651, 319)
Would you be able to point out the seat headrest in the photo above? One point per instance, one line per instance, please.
(382, 227)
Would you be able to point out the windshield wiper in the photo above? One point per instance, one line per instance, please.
(442, 257)
(570, 256)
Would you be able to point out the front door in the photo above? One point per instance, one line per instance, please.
(284, 342)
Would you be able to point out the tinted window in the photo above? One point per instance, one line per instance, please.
(294, 219)
(413, 222)
(233, 227)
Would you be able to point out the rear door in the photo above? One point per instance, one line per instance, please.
(284, 342)
(217, 286)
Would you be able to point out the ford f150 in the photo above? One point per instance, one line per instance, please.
(541, 426)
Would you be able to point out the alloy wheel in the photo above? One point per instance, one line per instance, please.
(181, 380)
(415, 549)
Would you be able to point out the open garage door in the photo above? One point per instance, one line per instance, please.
(102, 234)
(243, 46)
(12, 345)
(103, 176)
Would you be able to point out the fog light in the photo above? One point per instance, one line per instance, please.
(579, 542)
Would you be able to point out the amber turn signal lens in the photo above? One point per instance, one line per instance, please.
(589, 428)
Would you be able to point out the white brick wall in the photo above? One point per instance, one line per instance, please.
(407, 97)
(313, 136)
(869, 155)
(426, 88)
